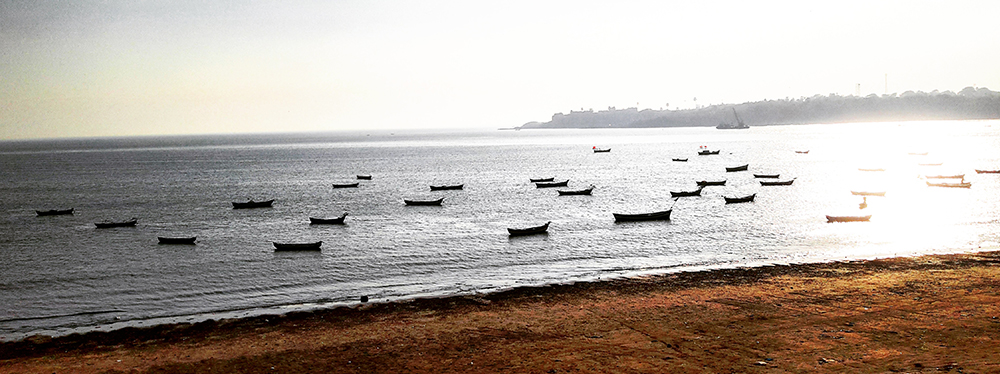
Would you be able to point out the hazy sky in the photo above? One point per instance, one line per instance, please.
(132, 67)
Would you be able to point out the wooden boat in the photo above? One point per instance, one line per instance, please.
(767, 176)
(448, 187)
(686, 193)
(346, 185)
(987, 171)
(952, 185)
(176, 240)
(868, 193)
(664, 215)
(956, 176)
(423, 202)
(680, 160)
(600, 150)
(536, 180)
(705, 152)
(711, 183)
(586, 191)
(777, 183)
(54, 212)
(744, 199)
(848, 218)
(552, 184)
(364, 177)
(328, 221)
(875, 169)
(253, 204)
(737, 168)
(530, 230)
(802, 152)
(297, 246)
(109, 224)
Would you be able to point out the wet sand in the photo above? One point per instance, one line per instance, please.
(922, 314)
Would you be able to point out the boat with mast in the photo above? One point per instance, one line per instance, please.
(739, 125)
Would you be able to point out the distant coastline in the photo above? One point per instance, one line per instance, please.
(968, 104)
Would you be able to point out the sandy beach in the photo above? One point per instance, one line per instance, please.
(922, 314)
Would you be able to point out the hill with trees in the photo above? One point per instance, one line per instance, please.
(969, 103)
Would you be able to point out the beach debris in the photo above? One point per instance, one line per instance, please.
(826, 361)
(364, 299)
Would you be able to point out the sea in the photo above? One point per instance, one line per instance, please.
(61, 275)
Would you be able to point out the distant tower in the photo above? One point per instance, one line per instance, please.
(857, 90)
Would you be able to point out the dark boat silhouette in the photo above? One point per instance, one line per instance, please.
(711, 183)
(868, 193)
(448, 187)
(605, 150)
(706, 152)
(767, 176)
(662, 215)
(735, 200)
(536, 180)
(737, 168)
(423, 202)
(978, 171)
(346, 185)
(680, 159)
(54, 212)
(777, 183)
(315, 246)
(176, 240)
(109, 224)
(585, 191)
(364, 177)
(962, 184)
(686, 193)
(530, 230)
(253, 204)
(552, 184)
(328, 221)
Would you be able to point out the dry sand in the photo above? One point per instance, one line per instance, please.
(924, 314)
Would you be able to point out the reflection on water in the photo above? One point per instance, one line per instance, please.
(59, 274)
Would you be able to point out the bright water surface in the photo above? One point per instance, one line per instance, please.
(60, 274)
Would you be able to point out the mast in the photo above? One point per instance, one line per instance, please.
(738, 120)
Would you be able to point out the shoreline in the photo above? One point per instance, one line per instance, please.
(643, 323)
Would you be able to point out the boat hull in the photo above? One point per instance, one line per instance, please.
(552, 184)
(530, 230)
(452, 187)
(737, 168)
(781, 183)
(253, 204)
(107, 225)
(577, 192)
(848, 218)
(54, 212)
(346, 185)
(736, 200)
(424, 202)
(176, 240)
(653, 216)
(284, 247)
(328, 221)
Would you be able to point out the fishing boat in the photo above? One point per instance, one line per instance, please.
(987, 171)
(956, 176)
(802, 152)
(253, 204)
(602, 150)
(686, 193)
(176, 240)
(552, 184)
(962, 184)
(767, 176)
(315, 246)
(705, 152)
(739, 125)
(109, 224)
(868, 193)
(448, 187)
(585, 191)
(710, 183)
(530, 230)
(536, 180)
(328, 221)
(737, 168)
(364, 177)
(744, 199)
(680, 160)
(848, 218)
(777, 183)
(423, 202)
(54, 212)
(663, 215)
(346, 185)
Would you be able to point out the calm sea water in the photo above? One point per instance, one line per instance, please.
(60, 274)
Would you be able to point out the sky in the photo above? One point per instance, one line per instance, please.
(87, 68)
